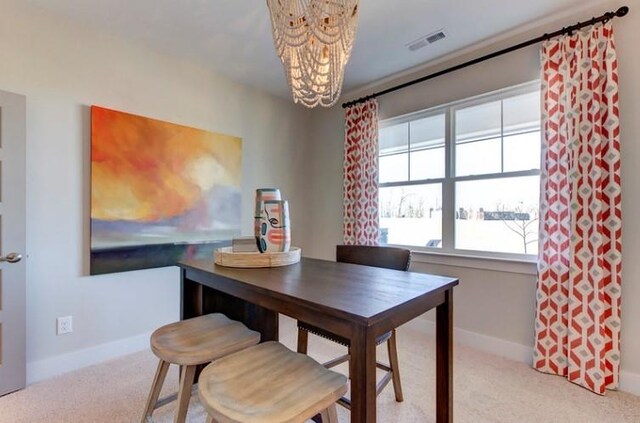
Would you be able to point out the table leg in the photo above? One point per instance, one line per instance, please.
(197, 300)
(444, 359)
(262, 320)
(191, 300)
(362, 370)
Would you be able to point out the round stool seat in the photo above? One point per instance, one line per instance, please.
(201, 340)
(268, 383)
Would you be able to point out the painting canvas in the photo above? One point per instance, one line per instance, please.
(160, 192)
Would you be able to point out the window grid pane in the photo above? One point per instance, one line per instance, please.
(499, 215)
(479, 122)
(394, 139)
(522, 151)
(480, 157)
(393, 168)
(411, 215)
(427, 164)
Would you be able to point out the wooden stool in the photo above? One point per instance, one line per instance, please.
(190, 343)
(269, 383)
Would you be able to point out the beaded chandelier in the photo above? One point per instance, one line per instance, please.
(314, 39)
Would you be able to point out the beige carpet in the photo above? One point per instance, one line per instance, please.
(487, 389)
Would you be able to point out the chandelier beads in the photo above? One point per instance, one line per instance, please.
(314, 39)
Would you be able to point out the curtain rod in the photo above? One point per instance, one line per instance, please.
(622, 11)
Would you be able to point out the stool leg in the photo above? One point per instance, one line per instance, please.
(330, 415)
(303, 341)
(156, 386)
(392, 347)
(209, 419)
(184, 393)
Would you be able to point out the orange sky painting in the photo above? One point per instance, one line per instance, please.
(145, 170)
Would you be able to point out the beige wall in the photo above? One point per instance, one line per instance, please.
(63, 69)
(494, 303)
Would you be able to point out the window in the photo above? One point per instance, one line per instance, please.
(464, 177)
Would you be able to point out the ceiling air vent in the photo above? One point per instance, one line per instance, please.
(436, 36)
(426, 40)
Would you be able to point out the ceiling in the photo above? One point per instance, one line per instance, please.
(233, 37)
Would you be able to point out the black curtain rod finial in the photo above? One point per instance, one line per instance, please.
(622, 11)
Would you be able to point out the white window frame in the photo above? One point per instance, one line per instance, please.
(448, 249)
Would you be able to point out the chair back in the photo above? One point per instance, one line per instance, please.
(387, 257)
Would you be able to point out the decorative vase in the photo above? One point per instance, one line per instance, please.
(274, 230)
(263, 194)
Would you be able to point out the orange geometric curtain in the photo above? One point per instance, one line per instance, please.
(361, 220)
(580, 258)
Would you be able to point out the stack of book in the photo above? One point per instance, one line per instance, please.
(244, 244)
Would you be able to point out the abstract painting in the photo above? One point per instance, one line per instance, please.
(160, 192)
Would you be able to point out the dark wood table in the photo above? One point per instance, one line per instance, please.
(357, 302)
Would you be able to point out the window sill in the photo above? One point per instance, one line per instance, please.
(508, 265)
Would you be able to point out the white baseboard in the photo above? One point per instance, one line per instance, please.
(629, 382)
(54, 366)
(495, 346)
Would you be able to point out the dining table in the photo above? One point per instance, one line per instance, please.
(357, 302)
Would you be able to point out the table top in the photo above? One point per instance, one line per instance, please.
(361, 292)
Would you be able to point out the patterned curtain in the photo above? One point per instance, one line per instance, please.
(361, 220)
(579, 271)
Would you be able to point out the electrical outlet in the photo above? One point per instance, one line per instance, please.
(64, 325)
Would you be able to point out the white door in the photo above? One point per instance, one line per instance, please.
(12, 242)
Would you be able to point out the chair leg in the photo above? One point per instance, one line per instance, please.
(303, 341)
(156, 387)
(330, 415)
(184, 393)
(392, 347)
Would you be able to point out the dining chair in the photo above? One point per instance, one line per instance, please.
(188, 344)
(386, 257)
(269, 383)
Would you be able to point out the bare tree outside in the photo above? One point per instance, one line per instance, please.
(407, 204)
(523, 225)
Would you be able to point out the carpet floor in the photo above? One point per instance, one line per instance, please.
(487, 389)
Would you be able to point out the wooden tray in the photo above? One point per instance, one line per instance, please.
(226, 257)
